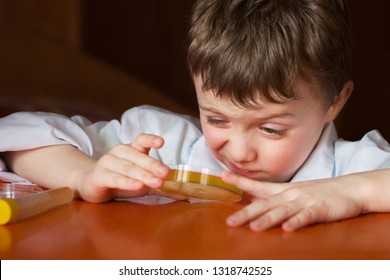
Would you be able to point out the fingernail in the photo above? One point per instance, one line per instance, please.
(231, 220)
(157, 141)
(287, 226)
(154, 182)
(256, 226)
(162, 170)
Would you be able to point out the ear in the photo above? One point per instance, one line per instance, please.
(339, 101)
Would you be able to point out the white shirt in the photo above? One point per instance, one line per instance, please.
(184, 143)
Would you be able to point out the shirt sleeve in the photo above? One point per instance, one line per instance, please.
(372, 152)
(28, 130)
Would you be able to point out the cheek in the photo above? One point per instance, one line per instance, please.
(285, 159)
(281, 163)
(214, 139)
(290, 157)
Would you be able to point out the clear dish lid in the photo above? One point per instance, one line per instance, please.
(201, 183)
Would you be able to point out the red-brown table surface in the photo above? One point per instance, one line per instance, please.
(180, 230)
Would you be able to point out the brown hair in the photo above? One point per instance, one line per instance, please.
(243, 48)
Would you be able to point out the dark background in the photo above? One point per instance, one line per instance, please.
(146, 39)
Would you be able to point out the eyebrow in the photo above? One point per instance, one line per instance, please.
(280, 115)
(208, 109)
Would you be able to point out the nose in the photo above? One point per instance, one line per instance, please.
(241, 149)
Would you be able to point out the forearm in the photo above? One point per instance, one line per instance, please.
(51, 166)
(376, 189)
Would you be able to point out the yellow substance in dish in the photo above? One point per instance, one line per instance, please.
(192, 184)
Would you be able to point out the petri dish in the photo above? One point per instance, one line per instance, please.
(200, 183)
(8, 190)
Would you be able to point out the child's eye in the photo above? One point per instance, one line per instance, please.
(272, 131)
(216, 122)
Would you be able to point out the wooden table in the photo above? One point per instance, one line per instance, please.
(180, 230)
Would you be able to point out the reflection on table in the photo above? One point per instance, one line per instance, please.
(180, 230)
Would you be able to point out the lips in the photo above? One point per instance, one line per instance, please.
(241, 171)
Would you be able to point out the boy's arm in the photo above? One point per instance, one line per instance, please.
(295, 205)
(377, 186)
(50, 166)
(125, 171)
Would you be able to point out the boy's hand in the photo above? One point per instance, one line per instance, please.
(295, 205)
(126, 170)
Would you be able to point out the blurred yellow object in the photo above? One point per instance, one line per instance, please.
(16, 209)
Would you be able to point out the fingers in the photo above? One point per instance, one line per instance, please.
(126, 160)
(293, 205)
(263, 214)
(144, 142)
(288, 206)
(292, 210)
(253, 187)
(288, 216)
(276, 217)
(274, 204)
(129, 166)
(123, 173)
(305, 217)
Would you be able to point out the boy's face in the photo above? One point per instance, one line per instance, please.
(268, 142)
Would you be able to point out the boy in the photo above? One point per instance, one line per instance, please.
(270, 78)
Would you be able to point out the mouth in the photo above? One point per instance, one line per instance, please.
(241, 171)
